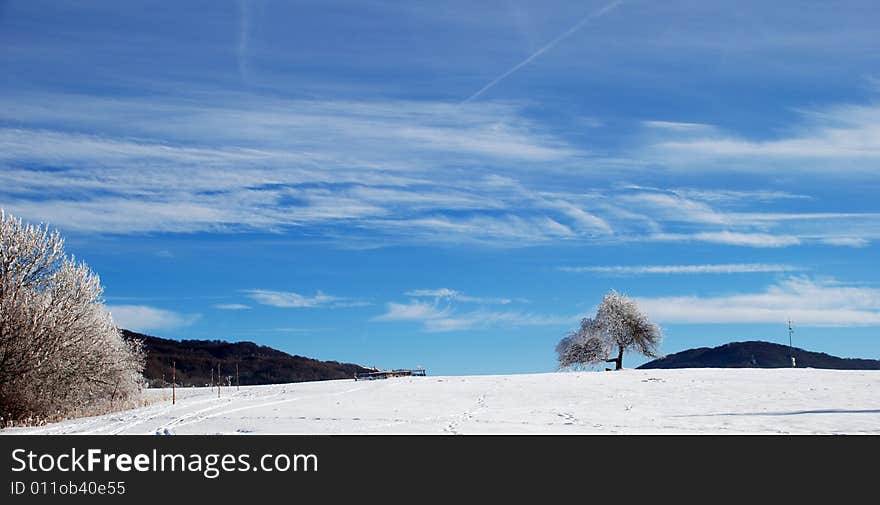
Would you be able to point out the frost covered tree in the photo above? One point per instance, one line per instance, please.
(60, 353)
(619, 326)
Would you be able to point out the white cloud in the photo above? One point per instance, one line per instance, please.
(143, 317)
(846, 241)
(503, 230)
(451, 294)
(730, 238)
(582, 220)
(232, 306)
(365, 133)
(680, 215)
(412, 311)
(437, 318)
(730, 268)
(734, 196)
(287, 299)
(127, 215)
(807, 302)
(257, 163)
(490, 319)
(672, 207)
(433, 293)
(849, 135)
(381, 172)
(677, 126)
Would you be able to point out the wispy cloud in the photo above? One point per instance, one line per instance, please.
(508, 230)
(483, 320)
(382, 172)
(453, 295)
(808, 302)
(714, 216)
(846, 241)
(232, 306)
(737, 196)
(266, 130)
(288, 299)
(730, 268)
(848, 135)
(145, 317)
(412, 311)
(730, 238)
(672, 207)
(676, 126)
(228, 168)
(442, 314)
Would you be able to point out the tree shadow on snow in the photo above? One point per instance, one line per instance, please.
(789, 413)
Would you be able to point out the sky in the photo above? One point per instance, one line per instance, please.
(454, 185)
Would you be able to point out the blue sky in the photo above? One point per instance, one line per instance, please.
(449, 185)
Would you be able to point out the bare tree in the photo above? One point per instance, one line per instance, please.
(619, 326)
(60, 353)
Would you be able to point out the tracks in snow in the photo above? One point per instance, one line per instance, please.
(205, 414)
(452, 426)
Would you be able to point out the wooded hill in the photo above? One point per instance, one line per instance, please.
(757, 354)
(257, 364)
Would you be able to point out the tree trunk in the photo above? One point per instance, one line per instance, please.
(618, 361)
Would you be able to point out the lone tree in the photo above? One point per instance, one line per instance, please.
(619, 326)
(60, 353)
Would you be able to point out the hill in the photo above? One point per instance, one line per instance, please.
(257, 364)
(757, 354)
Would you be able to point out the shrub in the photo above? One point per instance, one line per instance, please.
(60, 353)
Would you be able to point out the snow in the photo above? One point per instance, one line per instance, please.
(684, 401)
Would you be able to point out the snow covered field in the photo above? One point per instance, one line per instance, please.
(628, 402)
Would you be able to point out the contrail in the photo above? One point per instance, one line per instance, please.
(241, 49)
(580, 24)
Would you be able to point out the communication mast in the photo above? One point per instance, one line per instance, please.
(790, 348)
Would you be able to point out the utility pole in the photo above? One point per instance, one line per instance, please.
(218, 379)
(173, 380)
(237, 382)
(790, 348)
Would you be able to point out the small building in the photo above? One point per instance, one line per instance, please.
(385, 374)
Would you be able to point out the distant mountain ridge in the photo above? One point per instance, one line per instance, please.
(758, 354)
(257, 364)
